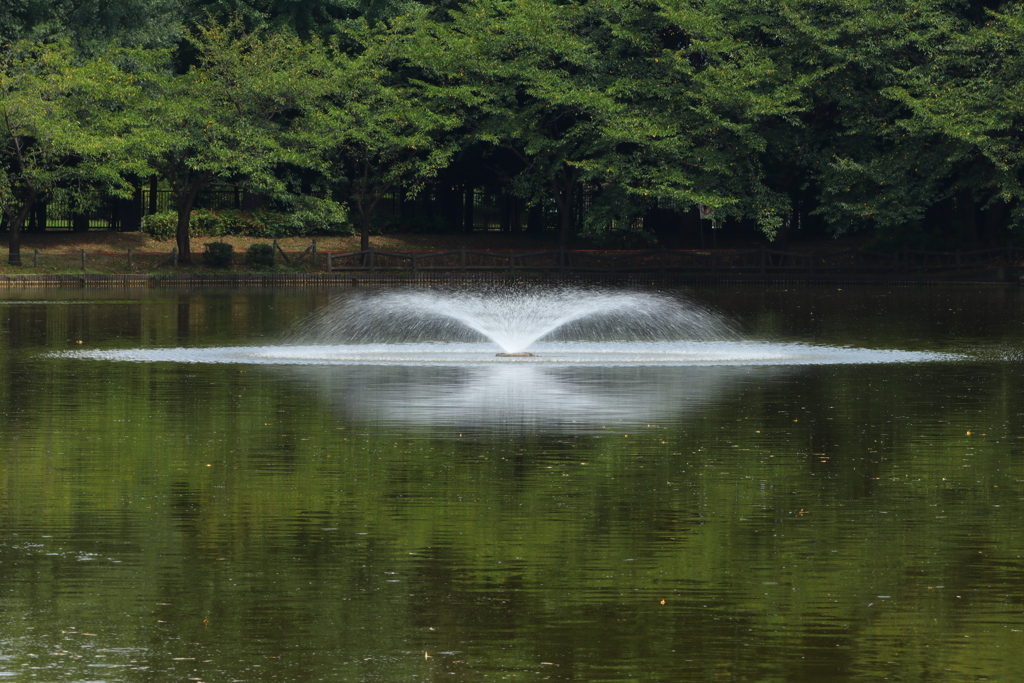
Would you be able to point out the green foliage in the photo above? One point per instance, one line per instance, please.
(218, 254)
(371, 132)
(230, 118)
(594, 94)
(260, 256)
(162, 225)
(902, 118)
(62, 131)
(312, 219)
(305, 215)
(92, 25)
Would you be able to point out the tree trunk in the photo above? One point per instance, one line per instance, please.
(995, 218)
(565, 194)
(181, 235)
(14, 229)
(451, 206)
(535, 218)
(364, 231)
(186, 200)
(565, 230)
(467, 215)
(516, 220)
(505, 208)
(566, 222)
(129, 211)
(967, 227)
(366, 205)
(37, 221)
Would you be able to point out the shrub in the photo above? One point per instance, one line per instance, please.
(218, 255)
(161, 225)
(260, 256)
(305, 218)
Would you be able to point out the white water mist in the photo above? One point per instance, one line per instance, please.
(511, 318)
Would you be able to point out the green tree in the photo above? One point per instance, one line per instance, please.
(909, 106)
(231, 118)
(869, 172)
(695, 98)
(640, 101)
(530, 81)
(306, 18)
(92, 25)
(63, 129)
(377, 131)
(968, 96)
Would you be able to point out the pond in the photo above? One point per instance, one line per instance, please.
(162, 519)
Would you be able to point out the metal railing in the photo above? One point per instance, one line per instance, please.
(672, 260)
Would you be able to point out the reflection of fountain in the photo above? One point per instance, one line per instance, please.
(513, 319)
(518, 397)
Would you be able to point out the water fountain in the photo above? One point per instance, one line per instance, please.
(512, 319)
(528, 324)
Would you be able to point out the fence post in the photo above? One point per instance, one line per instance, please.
(35, 259)
(462, 258)
(314, 253)
(277, 249)
(129, 259)
(661, 262)
(372, 257)
(174, 256)
(764, 253)
(83, 259)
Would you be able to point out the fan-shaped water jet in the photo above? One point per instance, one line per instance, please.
(513, 318)
(528, 324)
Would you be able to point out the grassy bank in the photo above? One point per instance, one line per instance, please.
(106, 252)
(98, 241)
(113, 255)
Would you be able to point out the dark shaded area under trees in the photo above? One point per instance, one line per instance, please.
(607, 120)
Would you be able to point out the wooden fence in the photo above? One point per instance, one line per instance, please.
(762, 261)
(652, 263)
(137, 261)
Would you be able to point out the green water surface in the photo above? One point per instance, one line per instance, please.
(177, 521)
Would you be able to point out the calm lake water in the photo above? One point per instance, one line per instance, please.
(235, 521)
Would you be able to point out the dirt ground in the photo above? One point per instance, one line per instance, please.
(100, 242)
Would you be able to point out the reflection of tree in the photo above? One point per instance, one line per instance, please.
(552, 544)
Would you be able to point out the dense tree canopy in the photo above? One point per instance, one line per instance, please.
(903, 117)
(234, 117)
(64, 131)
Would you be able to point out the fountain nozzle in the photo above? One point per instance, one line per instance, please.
(519, 354)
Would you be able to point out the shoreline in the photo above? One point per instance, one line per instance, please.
(104, 259)
(994, 276)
